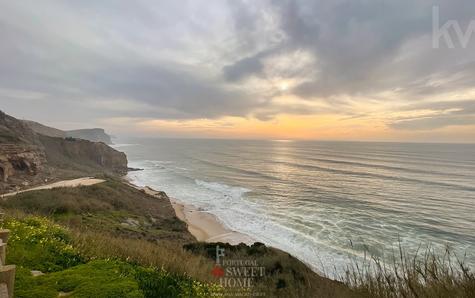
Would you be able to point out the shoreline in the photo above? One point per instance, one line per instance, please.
(204, 226)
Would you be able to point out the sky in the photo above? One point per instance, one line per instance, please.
(398, 70)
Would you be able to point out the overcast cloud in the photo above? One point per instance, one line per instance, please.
(79, 62)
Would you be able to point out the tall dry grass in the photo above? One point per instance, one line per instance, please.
(169, 256)
(423, 274)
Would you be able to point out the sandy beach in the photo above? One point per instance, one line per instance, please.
(203, 225)
(206, 227)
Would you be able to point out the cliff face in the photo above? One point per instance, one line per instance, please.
(21, 165)
(83, 155)
(22, 159)
(28, 158)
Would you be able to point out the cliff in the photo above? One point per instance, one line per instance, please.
(29, 158)
(45, 130)
(14, 131)
(83, 156)
(22, 158)
(21, 165)
(92, 134)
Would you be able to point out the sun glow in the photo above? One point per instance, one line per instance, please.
(282, 127)
(283, 86)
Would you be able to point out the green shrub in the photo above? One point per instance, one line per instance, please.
(159, 283)
(111, 278)
(104, 278)
(38, 244)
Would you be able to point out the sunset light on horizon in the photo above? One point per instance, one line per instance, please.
(244, 69)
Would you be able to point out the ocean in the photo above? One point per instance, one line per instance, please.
(326, 203)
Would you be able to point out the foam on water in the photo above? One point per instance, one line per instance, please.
(123, 145)
(310, 201)
(232, 208)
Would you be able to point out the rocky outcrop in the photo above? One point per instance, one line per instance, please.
(22, 158)
(21, 165)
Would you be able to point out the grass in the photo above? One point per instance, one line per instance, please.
(426, 274)
(106, 207)
(110, 278)
(82, 244)
(102, 278)
(93, 264)
(285, 276)
(95, 215)
(171, 257)
(38, 244)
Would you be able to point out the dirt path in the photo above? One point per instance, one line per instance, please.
(65, 183)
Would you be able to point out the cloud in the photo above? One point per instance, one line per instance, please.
(48, 60)
(438, 115)
(432, 123)
(365, 47)
(244, 67)
(186, 60)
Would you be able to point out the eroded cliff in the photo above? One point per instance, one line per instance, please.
(28, 158)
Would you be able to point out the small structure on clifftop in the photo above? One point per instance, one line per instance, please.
(7, 272)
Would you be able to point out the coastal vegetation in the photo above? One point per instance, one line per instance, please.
(101, 241)
(112, 207)
(115, 227)
(39, 245)
(423, 274)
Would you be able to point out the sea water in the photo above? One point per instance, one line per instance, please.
(326, 203)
